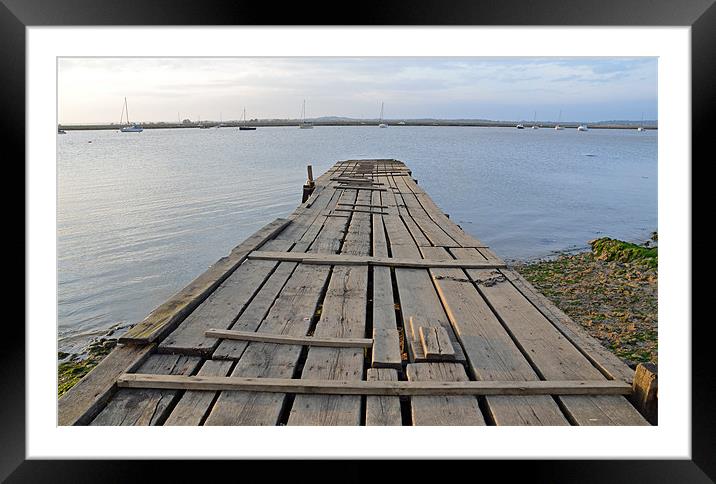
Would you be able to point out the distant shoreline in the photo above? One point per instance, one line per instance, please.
(292, 123)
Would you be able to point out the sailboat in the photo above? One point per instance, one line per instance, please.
(304, 124)
(203, 126)
(582, 127)
(131, 128)
(381, 123)
(641, 125)
(243, 121)
(534, 121)
(557, 126)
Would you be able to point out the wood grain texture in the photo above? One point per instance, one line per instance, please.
(291, 340)
(439, 378)
(143, 406)
(291, 314)
(380, 410)
(442, 409)
(194, 405)
(343, 316)
(436, 343)
(491, 353)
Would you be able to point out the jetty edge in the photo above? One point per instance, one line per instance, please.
(415, 322)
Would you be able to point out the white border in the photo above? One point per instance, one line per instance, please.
(671, 439)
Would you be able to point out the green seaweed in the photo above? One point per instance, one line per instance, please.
(616, 250)
(78, 365)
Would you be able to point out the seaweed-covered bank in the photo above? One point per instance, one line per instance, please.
(611, 291)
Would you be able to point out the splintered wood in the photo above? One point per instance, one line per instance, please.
(366, 306)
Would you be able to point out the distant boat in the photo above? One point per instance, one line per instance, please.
(582, 127)
(203, 126)
(520, 126)
(243, 120)
(534, 121)
(557, 126)
(380, 120)
(641, 125)
(304, 124)
(131, 128)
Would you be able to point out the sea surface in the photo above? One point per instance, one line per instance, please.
(139, 215)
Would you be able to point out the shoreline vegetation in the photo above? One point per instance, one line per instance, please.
(334, 121)
(610, 290)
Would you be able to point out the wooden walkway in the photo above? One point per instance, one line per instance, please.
(366, 306)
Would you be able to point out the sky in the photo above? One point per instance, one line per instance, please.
(92, 90)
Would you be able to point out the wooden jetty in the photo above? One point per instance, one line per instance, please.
(366, 306)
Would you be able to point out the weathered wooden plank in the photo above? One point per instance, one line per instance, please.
(549, 351)
(432, 231)
(146, 406)
(491, 353)
(447, 379)
(83, 401)
(436, 343)
(645, 391)
(291, 314)
(381, 410)
(194, 405)
(256, 311)
(340, 259)
(360, 210)
(356, 180)
(343, 316)
(443, 409)
(354, 187)
(164, 318)
(395, 200)
(386, 348)
(416, 293)
(291, 340)
(371, 205)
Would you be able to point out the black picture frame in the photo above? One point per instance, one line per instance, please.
(16, 15)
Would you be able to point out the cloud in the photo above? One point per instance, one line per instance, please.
(92, 89)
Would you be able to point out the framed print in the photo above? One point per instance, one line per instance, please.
(336, 325)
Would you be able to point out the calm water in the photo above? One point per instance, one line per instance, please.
(142, 214)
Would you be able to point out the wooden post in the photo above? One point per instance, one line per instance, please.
(309, 185)
(310, 175)
(645, 391)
